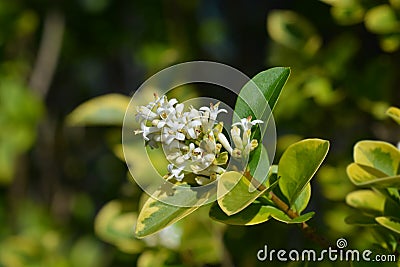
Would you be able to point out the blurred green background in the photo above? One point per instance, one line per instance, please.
(66, 198)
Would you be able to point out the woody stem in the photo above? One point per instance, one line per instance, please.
(280, 204)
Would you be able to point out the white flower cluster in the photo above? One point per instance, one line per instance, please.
(193, 140)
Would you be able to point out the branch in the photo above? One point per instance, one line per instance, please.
(49, 50)
(308, 230)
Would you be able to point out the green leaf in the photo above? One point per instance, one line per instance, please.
(365, 176)
(264, 88)
(298, 165)
(293, 31)
(255, 213)
(394, 113)
(360, 173)
(390, 42)
(381, 19)
(361, 220)
(259, 165)
(380, 155)
(156, 215)
(302, 200)
(238, 196)
(103, 110)
(391, 208)
(279, 215)
(153, 258)
(114, 226)
(348, 14)
(390, 223)
(366, 200)
(393, 181)
(253, 100)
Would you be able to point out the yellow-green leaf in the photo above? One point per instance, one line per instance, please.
(279, 215)
(235, 192)
(361, 175)
(114, 226)
(293, 30)
(255, 213)
(394, 113)
(103, 110)
(366, 200)
(156, 215)
(302, 200)
(298, 165)
(390, 223)
(379, 155)
(381, 19)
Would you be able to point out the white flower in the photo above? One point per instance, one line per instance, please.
(243, 146)
(165, 107)
(185, 154)
(210, 115)
(145, 131)
(171, 131)
(192, 140)
(204, 155)
(192, 123)
(213, 111)
(225, 143)
(247, 123)
(237, 140)
(174, 172)
(145, 113)
(173, 150)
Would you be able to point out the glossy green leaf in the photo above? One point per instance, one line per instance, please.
(103, 110)
(255, 213)
(302, 200)
(156, 215)
(253, 100)
(279, 215)
(238, 196)
(259, 165)
(298, 165)
(380, 155)
(364, 176)
(381, 19)
(360, 173)
(390, 223)
(394, 113)
(263, 88)
(366, 200)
